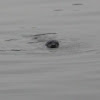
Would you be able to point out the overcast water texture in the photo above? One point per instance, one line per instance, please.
(31, 71)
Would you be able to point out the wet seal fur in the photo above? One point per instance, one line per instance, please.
(52, 44)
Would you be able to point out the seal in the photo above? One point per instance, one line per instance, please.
(52, 44)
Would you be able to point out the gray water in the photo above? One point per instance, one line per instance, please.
(29, 70)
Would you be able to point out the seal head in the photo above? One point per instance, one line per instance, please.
(52, 44)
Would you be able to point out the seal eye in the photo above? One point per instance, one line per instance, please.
(52, 44)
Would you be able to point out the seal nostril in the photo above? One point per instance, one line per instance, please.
(52, 44)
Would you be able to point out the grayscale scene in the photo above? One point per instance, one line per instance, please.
(49, 49)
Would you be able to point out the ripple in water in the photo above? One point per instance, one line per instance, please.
(36, 46)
